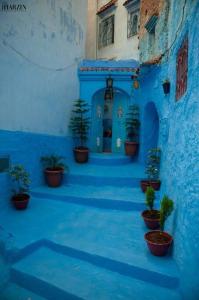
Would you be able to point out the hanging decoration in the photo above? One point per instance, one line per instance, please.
(109, 89)
(136, 83)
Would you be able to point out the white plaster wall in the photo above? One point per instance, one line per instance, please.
(39, 52)
(91, 30)
(123, 47)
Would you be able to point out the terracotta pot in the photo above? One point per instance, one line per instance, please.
(54, 177)
(81, 154)
(20, 201)
(155, 184)
(151, 218)
(131, 148)
(158, 242)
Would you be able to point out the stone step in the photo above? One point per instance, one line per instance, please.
(16, 292)
(122, 175)
(54, 274)
(109, 159)
(121, 198)
(100, 233)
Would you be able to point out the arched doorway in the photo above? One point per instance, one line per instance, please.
(150, 129)
(108, 131)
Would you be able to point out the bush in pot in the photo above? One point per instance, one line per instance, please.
(53, 169)
(151, 216)
(79, 125)
(132, 129)
(159, 241)
(152, 170)
(21, 182)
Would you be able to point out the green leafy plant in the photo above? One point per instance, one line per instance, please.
(150, 197)
(53, 162)
(20, 178)
(80, 122)
(133, 123)
(153, 164)
(166, 209)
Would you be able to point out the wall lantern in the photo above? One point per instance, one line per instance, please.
(166, 86)
(109, 82)
(136, 83)
(109, 89)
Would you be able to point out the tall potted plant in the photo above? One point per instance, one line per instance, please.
(53, 169)
(21, 182)
(151, 216)
(159, 241)
(132, 129)
(79, 124)
(152, 170)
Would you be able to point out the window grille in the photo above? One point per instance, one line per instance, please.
(132, 26)
(106, 32)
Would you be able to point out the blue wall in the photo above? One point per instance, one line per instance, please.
(39, 52)
(40, 48)
(27, 149)
(179, 141)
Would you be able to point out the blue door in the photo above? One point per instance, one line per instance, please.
(120, 105)
(97, 122)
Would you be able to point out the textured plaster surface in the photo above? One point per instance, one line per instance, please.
(179, 141)
(39, 52)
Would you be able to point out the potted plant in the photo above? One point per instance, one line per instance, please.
(79, 124)
(152, 170)
(159, 241)
(21, 182)
(132, 129)
(151, 216)
(166, 86)
(53, 170)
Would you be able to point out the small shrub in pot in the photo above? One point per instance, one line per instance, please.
(21, 181)
(159, 241)
(132, 129)
(79, 125)
(152, 170)
(151, 216)
(53, 169)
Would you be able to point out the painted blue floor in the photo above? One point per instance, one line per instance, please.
(66, 276)
(15, 292)
(121, 198)
(84, 241)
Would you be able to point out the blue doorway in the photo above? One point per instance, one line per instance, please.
(108, 132)
(150, 127)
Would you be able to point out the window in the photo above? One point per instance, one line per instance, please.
(181, 69)
(132, 26)
(106, 32)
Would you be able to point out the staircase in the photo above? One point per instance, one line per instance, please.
(89, 242)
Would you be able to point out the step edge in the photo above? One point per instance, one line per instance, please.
(132, 271)
(106, 203)
(40, 286)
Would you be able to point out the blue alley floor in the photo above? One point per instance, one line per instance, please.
(84, 240)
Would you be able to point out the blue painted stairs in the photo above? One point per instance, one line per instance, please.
(90, 244)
